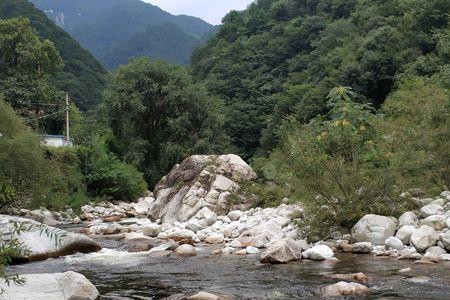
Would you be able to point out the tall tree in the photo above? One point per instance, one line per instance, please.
(26, 65)
(159, 116)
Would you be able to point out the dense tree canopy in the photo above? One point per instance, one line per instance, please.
(159, 116)
(27, 63)
(282, 57)
(81, 75)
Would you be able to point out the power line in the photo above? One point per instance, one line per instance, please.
(45, 116)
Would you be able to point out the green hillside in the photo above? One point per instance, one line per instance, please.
(82, 75)
(281, 58)
(116, 30)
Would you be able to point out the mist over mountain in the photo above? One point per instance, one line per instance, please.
(116, 30)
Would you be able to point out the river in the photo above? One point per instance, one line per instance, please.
(136, 276)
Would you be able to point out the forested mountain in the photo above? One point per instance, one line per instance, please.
(82, 75)
(115, 30)
(281, 58)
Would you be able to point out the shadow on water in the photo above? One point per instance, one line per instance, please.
(143, 277)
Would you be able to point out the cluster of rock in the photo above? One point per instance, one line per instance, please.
(110, 212)
(424, 234)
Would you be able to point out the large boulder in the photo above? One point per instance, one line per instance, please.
(55, 286)
(424, 238)
(42, 241)
(200, 181)
(282, 251)
(374, 228)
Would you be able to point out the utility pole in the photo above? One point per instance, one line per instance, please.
(67, 119)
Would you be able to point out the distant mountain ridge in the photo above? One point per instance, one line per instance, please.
(82, 76)
(114, 29)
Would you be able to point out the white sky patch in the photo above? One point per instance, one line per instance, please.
(212, 11)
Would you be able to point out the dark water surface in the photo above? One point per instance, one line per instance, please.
(119, 276)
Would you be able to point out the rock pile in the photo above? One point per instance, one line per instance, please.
(424, 234)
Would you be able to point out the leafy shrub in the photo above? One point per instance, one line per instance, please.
(64, 183)
(22, 163)
(336, 165)
(417, 129)
(108, 177)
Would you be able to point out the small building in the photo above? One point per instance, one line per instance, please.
(56, 141)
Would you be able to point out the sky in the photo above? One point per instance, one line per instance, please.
(212, 11)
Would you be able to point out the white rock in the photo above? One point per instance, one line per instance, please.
(181, 234)
(283, 221)
(42, 241)
(430, 210)
(444, 257)
(262, 235)
(206, 216)
(320, 252)
(252, 250)
(408, 218)
(374, 228)
(438, 222)
(393, 243)
(282, 251)
(404, 233)
(194, 225)
(200, 181)
(362, 247)
(235, 215)
(435, 250)
(423, 238)
(185, 250)
(215, 239)
(446, 240)
(235, 244)
(151, 230)
(143, 205)
(55, 286)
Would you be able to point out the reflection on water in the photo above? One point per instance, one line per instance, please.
(120, 275)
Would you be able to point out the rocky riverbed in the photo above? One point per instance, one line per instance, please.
(186, 238)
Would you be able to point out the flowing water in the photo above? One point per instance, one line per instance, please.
(120, 275)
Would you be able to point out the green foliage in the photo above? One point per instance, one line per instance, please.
(159, 117)
(117, 30)
(417, 126)
(165, 41)
(82, 76)
(6, 195)
(8, 251)
(280, 58)
(22, 163)
(64, 183)
(108, 177)
(336, 165)
(27, 64)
